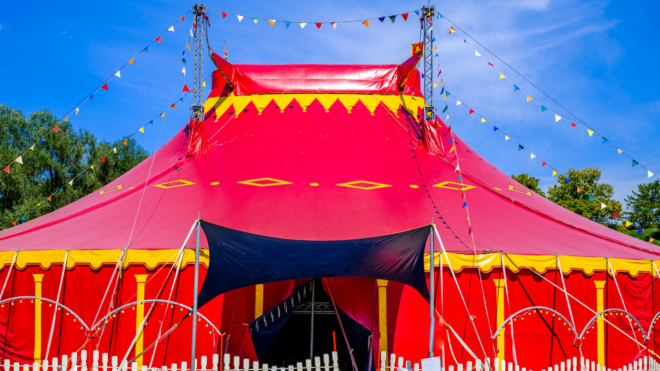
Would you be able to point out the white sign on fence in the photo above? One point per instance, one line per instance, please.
(431, 364)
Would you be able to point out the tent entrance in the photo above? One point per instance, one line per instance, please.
(287, 339)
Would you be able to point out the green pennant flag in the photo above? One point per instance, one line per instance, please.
(446, 92)
(635, 163)
(543, 109)
(392, 18)
(443, 111)
(591, 198)
(520, 147)
(255, 20)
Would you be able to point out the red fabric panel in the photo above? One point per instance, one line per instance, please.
(197, 143)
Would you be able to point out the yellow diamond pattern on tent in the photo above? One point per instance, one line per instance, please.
(264, 182)
(174, 184)
(283, 100)
(363, 184)
(454, 185)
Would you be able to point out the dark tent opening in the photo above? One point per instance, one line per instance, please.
(283, 335)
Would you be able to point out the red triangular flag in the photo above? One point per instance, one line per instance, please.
(14, 223)
(125, 142)
(471, 111)
(182, 18)
(7, 169)
(56, 128)
(448, 130)
(105, 86)
(185, 88)
(194, 25)
(404, 16)
(224, 14)
(490, 64)
(573, 125)
(470, 230)
(543, 163)
(158, 39)
(614, 215)
(318, 25)
(173, 105)
(49, 197)
(454, 159)
(102, 159)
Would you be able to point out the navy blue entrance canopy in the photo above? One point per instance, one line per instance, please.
(240, 259)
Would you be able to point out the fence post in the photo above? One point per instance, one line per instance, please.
(215, 359)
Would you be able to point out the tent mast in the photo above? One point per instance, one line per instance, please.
(427, 15)
(193, 366)
(432, 289)
(311, 340)
(197, 109)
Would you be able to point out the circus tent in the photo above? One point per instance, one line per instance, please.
(325, 153)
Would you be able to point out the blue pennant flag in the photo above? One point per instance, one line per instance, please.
(439, 15)
(495, 128)
(91, 97)
(433, 40)
(464, 205)
(442, 91)
(146, 49)
(151, 122)
(287, 24)
(515, 88)
(417, 11)
(184, 60)
(460, 178)
(1, 195)
(61, 190)
(604, 140)
(42, 140)
(591, 198)
(23, 217)
(422, 75)
(436, 54)
(381, 19)
(567, 180)
(451, 138)
(465, 41)
(639, 231)
(31, 211)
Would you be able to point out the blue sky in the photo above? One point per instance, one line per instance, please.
(594, 57)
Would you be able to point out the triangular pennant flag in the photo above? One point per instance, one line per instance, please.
(91, 97)
(151, 122)
(651, 239)
(184, 60)
(19, 160)
(77, 111)
(32, 149)
(334, 25)
(515, 88)
(451, 30)
(573, 125)
(105, 87)
(188, 46)
(464, 205)
(502, 76)
(495, 128)
(318, 25)
(57, 127)
(272, 22)
(146, 50)
(185, 88)
(118, 74)
(460, 178)
(162, 114)
(628, 224)
(102, 159)
(392, 18)
(404, 16)
(66, 119)
(639, 231)
(579, 189)
(452, 149)
(287, 24)
(529, 98)
(602, 206)
(224, 14)
(183, 17)
(567, 180)
(125, 142)
(490, 64)
(44, 139)
(256, 20)
(194, 25)
(183, 71)
(91, 167)
(458, 102)
(366, 23)
(240, 17)
(634, 163)
(49, 198)
(620, 150)
(591, 132)
(381, 19)
(141, 130)
(158, 38)
(543, 109)
(591, 198)
(6, 169)
(23, 217)
(447, 93)
(114, 150)
(173, 105)
(471, 111)
(204, 83)
(532, 155)
(554, 172)
(483, 120)
(506, 137)
(435, 85)
(171, 28)
(557, 117)
(14, 223)
(443, 111)
(477, 53)
(302, 24)
(458, 167)
(650, 173)
(604, 140)
(615, 215)
(543, 163)
(520, 147)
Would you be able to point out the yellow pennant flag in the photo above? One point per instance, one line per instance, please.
(554, 172)
(141, 130)
(441, 80)
(131, 61)
(452, 149)
(502, 76)
(188, 46)
(66, 119)
(434, 49)
(651, 239)
(444, 95)
(483, 120)
(529, 98)
(204, 83)
(451, 30)
(620, 151)
(591, 132)
(628, 224)
(435, 85)
(272, 22)
(92, 167)
(32, 148)
(506, 137)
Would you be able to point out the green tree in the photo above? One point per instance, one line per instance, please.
(567, 195)
(53, 163)
(530, 182)
(644, 205)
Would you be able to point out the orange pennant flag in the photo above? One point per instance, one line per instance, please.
(182, 18)
(125, 142)
(66, 119)
(451, 30)
(272, 22)
(14, 224)
(49, 198)
(651, 239)
(366, 23)
(188, 46)
(173, 105)
(131, 61)
(579, 189)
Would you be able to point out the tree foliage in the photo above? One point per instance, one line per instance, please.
(644, 205)
(567, 195)
(530, 182)
(47, 169)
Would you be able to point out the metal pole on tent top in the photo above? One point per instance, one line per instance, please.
(311, 340)
(432, 290)
(194, 311)
(427, 15)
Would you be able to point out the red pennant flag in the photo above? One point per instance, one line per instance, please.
(105, 86)
(448, 130)
(56, 128)
(7, 169)
(125, 142)
(404, 16)
(49, 197)
(471, 111)
(194, 25)
(454, 159)
(615, 215)
(470, 230)
(543, 163)
(573, 125)
(158, 39)
(490, 64)
(224, 14)
(14, 224)
(173, 105)
(182, 18)
(102, 159)
(318, 25)
(185, 88)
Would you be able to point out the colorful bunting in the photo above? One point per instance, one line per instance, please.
(162, 115)
(366, 23)
(118, 74)
(392, 18)
(650, 173)
(579, 189)
(182, 18)
(543, 163)
(604, 140)
(639, 231)
(458, 102)
(502, 76)
(224, 14)
(471, 111)
(651, 239)
(302, 24)
(141, 130)
(573, 125)
(495, 128)
(591, 132)
(183, 71)
(532, 155)
(634, 163)
(125, 142)
(381, 19)
(104, 87)
(529, 98)
(171, 28)
(567, 180)
(287, 24)
(49, 198)
(158, 39)
(173, 106)
(557, 117)
(483, 120)
(515, 88)
(451, 30)
(543, 109)
(620, 151)
(591, 198)
(19, 160)
(102, 159)
(77, 111)
(477, 53)
(554, 172)
(256, 20)
(404, 16)
(56, 128)
(185, 88)
(334, 25)
(520, 148)
(615, 215)
(6, 169)
(32, 148)
(628, 224)
(443, 111)
(506, 137)
(272, 22)
(240, 18)
(464, 205)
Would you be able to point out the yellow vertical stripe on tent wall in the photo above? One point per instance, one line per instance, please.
(38, 278)
(382, 314)
(501, 337)
(600, 322)
(141, 279)
(258, 300)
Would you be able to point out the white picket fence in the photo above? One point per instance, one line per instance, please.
(102, 362)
